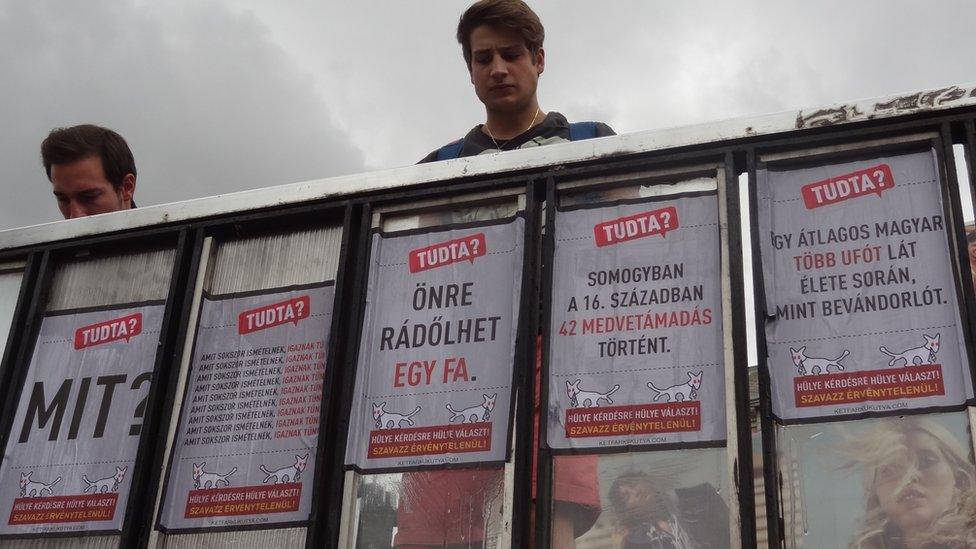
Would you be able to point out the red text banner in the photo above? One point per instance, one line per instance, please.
(424, 441)
(871, 180)
(869, 385)
(245, 500)
(275, 314)
(123, 328)
(60, 509)
(638, 419)
(632, 227)
(448, 253)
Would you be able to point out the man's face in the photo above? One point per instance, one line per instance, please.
(82, 189)
(503, 70)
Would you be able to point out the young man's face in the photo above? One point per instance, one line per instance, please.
(503, 70)
(82, 188)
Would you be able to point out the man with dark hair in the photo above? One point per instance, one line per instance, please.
(501, 41)
(91, 170)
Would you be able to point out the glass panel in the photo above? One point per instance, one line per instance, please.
(458, 507)
(893, 482)
(443, 508)
(749, 300)
(9, 291)
(759, 486)
(671, 499)
(590, 195)
(109, 280)
(274, 260)
(962, 176)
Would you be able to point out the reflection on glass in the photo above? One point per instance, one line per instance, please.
(9, 291)
(628, 192)
(905, 482)
(653, 500)
(971, 243)
(457, 508)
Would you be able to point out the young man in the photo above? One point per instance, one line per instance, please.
(91, 170)
(502, 45)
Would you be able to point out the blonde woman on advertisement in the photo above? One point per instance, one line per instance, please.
(920, 486)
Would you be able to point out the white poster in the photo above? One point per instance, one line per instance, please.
(636, 327)
(859, 288)
(244, 453)
(70, 456)
(433, 383)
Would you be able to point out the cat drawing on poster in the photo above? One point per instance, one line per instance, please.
(107, 484)
(392, 420)
(206, 479)
(680, 392)
(478, 412)
(923, 354)
(33, 488)
(290, 473)
(815, 365)
(581, 398)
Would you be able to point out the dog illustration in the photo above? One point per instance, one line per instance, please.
(391, 420)
(586, 399)
(813, 364)
(681, 391)
(203, 479)
(916, 356)
(475, 413)
(291, 473)
(107, 484)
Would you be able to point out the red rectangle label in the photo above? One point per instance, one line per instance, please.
(125, 327)
(275, 314)
(845, 187)
(632, 227)
(448, 253)
(59, 509)
(430, 441)
(869, 386)
(244, 500)
(637, 419)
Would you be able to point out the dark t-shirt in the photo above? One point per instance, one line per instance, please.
(553, 129)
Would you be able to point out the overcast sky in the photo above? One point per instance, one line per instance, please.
(220, 96)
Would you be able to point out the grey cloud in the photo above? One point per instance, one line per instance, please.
(208, 103)
(221, 96)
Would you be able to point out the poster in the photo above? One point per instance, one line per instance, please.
(636, 327)
(433, 383)
(245, 447)
(863, 313)
(71, 452)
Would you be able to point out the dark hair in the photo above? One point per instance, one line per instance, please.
(513, 15)
(66, 145)
(654, 508)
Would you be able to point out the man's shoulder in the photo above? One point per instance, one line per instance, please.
(555, 125)
(456, 148)
(584, 129)
(603, 130)
(444, 152)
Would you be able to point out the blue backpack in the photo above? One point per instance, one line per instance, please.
(577, 132)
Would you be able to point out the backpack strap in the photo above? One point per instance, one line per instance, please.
(450, 151)
(582, 130)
